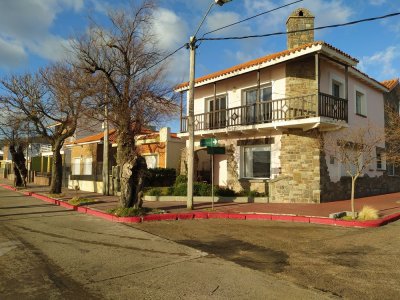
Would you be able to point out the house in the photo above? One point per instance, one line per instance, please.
(268, 113)
(84, 157)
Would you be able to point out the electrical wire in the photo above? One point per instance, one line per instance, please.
(302, 30)
(253, 17)
(161, 60)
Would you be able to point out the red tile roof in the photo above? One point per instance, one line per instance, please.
(391, 83)
(261, 60)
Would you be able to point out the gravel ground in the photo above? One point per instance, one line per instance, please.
(346, 262)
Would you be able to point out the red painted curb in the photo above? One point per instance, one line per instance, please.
(128, 219)
(45, 198)
(185, 216)
(324, 221)
(282, 218)
(81, 209)
(200, 215)
(66, 205)
(258, 217)
(27, 193)
(168, 217)
(237, 216)
(152, 218)
(218, 215)
(301, 219)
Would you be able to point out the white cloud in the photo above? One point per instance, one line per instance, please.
(27, 23)
(222, 18)
(170, 29)
(11, 54)
(382, 63)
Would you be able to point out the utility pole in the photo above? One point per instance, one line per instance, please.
(106, 188)
(190, 156)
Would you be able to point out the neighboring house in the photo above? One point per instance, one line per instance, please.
(84, 157)
(269, 112)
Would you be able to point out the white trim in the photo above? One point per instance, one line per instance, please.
(242, 161)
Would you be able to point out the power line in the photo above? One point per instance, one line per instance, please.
(249, 18)
(302, 30)
(163, 59)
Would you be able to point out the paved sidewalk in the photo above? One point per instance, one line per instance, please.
(386, 204)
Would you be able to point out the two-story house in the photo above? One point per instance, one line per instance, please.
(268, 113)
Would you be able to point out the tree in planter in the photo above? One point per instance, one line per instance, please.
(51, 101)
(392, 133)
(356, 150)
(136, 96)
(12, 129)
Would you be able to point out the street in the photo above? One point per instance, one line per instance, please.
(47, 252)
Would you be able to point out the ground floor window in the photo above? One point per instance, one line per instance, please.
(151, 161)
(76, 166)
(87, 166)
(257, 161)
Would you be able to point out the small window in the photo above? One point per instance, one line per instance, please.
(336, 88)
(76, 166)
(379, 161)
(391, 170)
(151, 161)
(88, 166)
(257, 161)
(361, 107)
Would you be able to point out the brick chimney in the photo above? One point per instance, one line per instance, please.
(300, 19)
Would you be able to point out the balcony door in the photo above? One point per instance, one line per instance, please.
(216, 112)
(258, 112)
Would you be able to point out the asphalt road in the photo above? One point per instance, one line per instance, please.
(47, 252)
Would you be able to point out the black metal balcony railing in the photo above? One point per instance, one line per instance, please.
(274, 110)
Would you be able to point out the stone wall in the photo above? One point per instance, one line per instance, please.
(299, 181)
(300, 19)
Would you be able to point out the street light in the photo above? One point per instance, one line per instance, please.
(190, 158)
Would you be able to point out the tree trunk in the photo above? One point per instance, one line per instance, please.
(20, 171)
(56, 172)
(353, 186)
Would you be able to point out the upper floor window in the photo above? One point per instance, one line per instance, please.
(336, 88)
(258, 109)
(216, 108)
(361, 105)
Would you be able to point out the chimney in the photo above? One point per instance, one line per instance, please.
(300, 19)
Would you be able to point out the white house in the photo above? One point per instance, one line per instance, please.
(269, 114)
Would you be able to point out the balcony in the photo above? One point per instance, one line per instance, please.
(287, 109)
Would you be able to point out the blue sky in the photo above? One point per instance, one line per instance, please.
(36, 32)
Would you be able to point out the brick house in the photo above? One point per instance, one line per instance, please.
(266, 113)
(84, 156)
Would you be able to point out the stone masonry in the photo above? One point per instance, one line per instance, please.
(300, 19)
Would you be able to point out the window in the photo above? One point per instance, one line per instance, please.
(87, 166)
(258, 111)
(336, 88)
(217, 112)
(76, 166)
(361, 107)
(257, 161)
(151, 161)
(379, 161)
(391, 170)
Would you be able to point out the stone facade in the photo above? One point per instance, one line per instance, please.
(299, 181)
(300, 19)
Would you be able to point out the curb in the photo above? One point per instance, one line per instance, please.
(212, 215)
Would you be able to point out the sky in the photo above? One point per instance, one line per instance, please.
(35, 33)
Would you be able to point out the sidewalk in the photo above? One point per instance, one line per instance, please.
(386, 204)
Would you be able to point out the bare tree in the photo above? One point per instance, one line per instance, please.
(51, 100)
(13, 135)
(392, 132)
(355, 149)
(123, 54)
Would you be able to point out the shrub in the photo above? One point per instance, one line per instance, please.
(154, 191)
(160, 177)
(180, 189)
(368, 213)
(180, 179)
(201, 189)
(224, 192)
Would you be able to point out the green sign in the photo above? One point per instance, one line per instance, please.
(215, 150)
(208, 142)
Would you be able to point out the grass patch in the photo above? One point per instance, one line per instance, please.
(78, 201)
(56, 196)
(131, 211)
